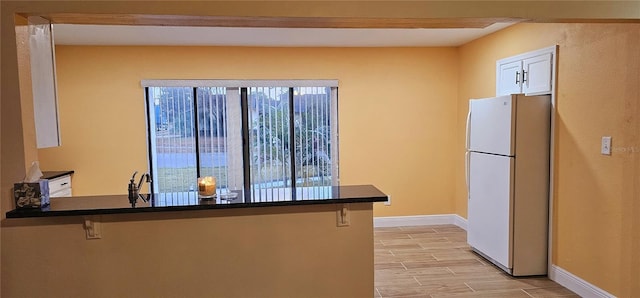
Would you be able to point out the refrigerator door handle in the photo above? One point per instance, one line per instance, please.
(466, 155)
(468, 128)
(466, 174)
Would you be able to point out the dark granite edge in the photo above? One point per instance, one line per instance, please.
(27, 213)
(55, 174)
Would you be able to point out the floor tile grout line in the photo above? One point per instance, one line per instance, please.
(468, 286)
(414, 278)
(454, 274)
(405, 267)
(377, 290)
(525, 291)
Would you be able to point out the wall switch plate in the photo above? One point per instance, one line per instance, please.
(605, 147)
(93, 227)
(343, 216)
(388, 201)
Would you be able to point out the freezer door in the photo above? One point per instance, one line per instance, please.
(490, 220)
(491, 127)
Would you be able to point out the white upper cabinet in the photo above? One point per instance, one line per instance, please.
(510, 78)
(537, 74)
(529, 73)
(43, 82)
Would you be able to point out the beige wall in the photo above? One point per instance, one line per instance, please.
(596, 198)
(396, 107)
(294, 251)
(17, 151)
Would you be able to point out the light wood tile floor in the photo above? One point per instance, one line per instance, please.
(435, 261)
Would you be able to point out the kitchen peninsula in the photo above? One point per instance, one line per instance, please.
(316, 245)
(115, 204)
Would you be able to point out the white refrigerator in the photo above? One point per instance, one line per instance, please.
(507, 167)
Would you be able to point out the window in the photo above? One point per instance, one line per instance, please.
(267, 137)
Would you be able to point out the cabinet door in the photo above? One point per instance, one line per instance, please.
(61, 194)
(45, 104)
(509, 78)
(60, 187)
(537, 74)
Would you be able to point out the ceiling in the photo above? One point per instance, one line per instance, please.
(72, 34)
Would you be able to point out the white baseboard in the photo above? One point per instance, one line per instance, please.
(460, 221)
(420, 220)
(576, 284)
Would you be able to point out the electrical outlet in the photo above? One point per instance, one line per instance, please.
(388, 201)
(605, 147)
(92, 227)
(343, 216)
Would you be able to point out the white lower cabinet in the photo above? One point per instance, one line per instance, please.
(60, 187)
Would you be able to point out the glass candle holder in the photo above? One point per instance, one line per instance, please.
(206, 187)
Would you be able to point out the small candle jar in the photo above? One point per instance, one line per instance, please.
(207, 187)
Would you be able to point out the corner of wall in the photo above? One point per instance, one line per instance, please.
(12, 143)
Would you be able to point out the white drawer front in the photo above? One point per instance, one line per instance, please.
(62, 193)
(59, 183)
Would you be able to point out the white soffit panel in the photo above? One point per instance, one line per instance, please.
(68, 34)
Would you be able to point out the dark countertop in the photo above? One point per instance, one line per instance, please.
(55, 174)
(117, 204)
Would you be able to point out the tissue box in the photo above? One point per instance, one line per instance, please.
(31, 194)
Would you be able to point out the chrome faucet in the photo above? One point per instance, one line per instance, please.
(134, 190)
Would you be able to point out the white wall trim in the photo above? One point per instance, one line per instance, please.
(420, 220)
(460, 221)
(576, 284)
(238, 83)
